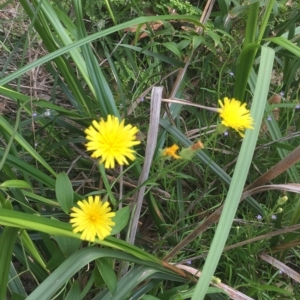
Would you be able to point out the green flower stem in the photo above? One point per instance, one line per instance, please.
(107, 185)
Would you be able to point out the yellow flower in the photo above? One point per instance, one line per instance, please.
(234, 114)
(111, 140)
(171, 151)
(92, 218)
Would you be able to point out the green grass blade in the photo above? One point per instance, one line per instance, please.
(74, 293)
(252, 21)
(244, 68)
(24, 167)
(161, 57)
(15, 285)
(32, 250)
(22, 142)
(286, 44)
(55, 227)
(265, 19)
(7, 242)
(91, 38)
(101, 88)
(75, 263)
(61, 62)
(133, 278)
(240, 174)
(65, 38)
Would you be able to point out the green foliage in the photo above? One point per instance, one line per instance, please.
(81, 60)
(175, 7)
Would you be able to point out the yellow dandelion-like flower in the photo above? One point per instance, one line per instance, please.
(171, 151)
(234, 114)
(111, 140)
(92, 218)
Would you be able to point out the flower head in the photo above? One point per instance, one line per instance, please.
(258, 217)
(234, 114)
(92, 218)
(189, 153)
(171, 151)
(111, 140)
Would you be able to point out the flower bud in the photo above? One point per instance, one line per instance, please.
(216, 280)
(188, 153)
(279, 210)
(282, 200)
(221, 128)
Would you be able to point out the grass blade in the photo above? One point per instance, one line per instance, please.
(240, 174)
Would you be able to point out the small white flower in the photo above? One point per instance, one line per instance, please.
(47, 113)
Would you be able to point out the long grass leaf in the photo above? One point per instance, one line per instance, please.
(7, 242)
(240, 174)
(91, 38)
(55, 227)
(75, 263)
(22, 142)
(100, 86)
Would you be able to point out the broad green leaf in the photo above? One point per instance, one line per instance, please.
(173, 48)
(57, 258)
(64, 192)
(105, 268)
(67, 245)
(121, 220)
(16, 184)
(197, 40)
(74, 293)
(216, 38)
